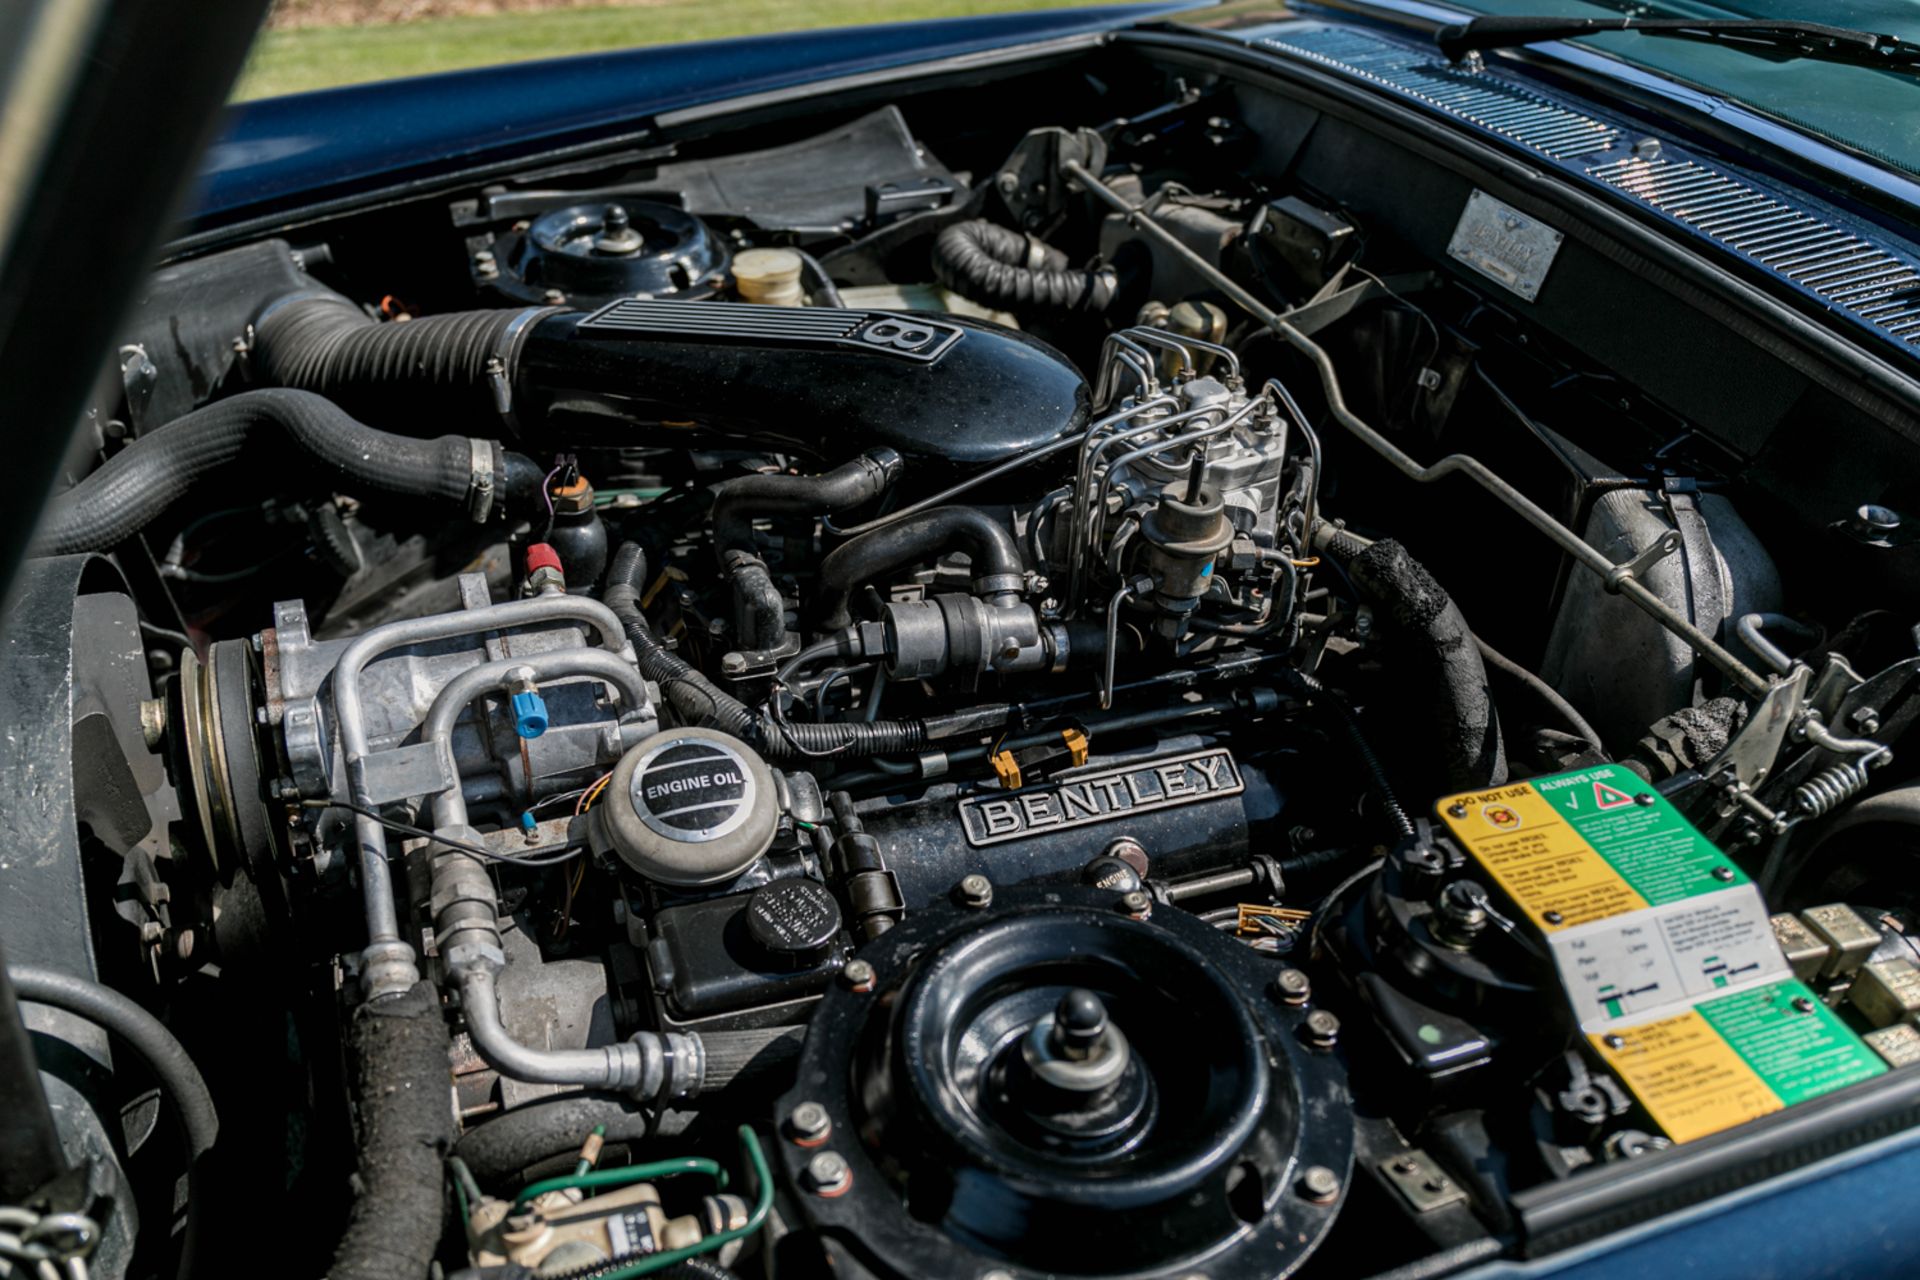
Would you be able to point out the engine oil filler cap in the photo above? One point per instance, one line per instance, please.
(690, 807)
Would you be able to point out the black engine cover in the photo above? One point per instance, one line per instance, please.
(820, 380)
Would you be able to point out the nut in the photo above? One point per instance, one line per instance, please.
(1137, 903)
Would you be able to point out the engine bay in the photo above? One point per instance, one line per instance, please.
(1146, 678)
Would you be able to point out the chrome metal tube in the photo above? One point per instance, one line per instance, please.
(450, 805)
(387, 964)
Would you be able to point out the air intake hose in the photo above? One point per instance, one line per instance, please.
(999, 267)
(455, 364)
(141, 482)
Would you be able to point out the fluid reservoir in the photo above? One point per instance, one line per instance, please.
(689, 807)
(769, 276)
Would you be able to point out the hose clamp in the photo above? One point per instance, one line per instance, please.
(482, 481)
(506, 355)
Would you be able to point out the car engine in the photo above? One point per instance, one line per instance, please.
(784, 708)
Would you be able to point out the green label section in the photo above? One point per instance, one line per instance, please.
(1639, 833)
(1801, 1050)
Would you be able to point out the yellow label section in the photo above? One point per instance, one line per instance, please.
(1540, 861)
(1688, 1078)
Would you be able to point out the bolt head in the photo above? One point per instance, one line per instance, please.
(1552, 917)
(1456, 811)
(1319, 1184)
(809, 1124)
(1644, 799)
(1137, 903)
(1321, 1030)
(1613, 1041)
(828, 1174)
(858, 975)
(1802, 1005)
(1292, 986)
(974, 890)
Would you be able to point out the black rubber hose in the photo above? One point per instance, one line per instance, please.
(999, 267)
(1433, 652)
(506, 1146)
(164, 1055)
(1362, 749)
(697, 700)
(737, 502)
(441, 365)
(142, 481)
(401, 1080)
(992, 549)
(825, 292)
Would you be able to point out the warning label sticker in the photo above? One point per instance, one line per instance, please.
(1586, 845)
(1663, 946)
(1734, 1058)
(1629, 965)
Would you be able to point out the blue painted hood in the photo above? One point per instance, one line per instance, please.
(278, 154)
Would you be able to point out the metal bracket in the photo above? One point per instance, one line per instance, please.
(1423, 1184)
(1647, 557)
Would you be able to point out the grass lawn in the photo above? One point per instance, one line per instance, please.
(288, 61)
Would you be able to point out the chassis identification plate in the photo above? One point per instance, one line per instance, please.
(1504, 245)
(1080, 799)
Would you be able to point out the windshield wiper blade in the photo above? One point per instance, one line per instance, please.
(1802, 39)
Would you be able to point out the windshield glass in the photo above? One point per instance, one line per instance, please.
(1871, 110)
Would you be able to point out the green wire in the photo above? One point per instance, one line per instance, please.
(762, 1205)
(583, 1164)
(626, 1176)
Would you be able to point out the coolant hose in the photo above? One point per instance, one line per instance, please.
(142, 481)
(999, 267)
(997, 569)
(402, 1079)
(737, 502)
(1435, 653)
(697, 700)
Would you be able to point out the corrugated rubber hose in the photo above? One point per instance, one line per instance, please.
(999, 267)
(142, 481)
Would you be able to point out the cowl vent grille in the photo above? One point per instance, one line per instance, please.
(1850, 270)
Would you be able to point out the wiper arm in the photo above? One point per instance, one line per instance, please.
(1802, 39)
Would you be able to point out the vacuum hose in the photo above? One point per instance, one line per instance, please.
(698, 700)
(999, 267)
(997, 568)
(138, 484)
